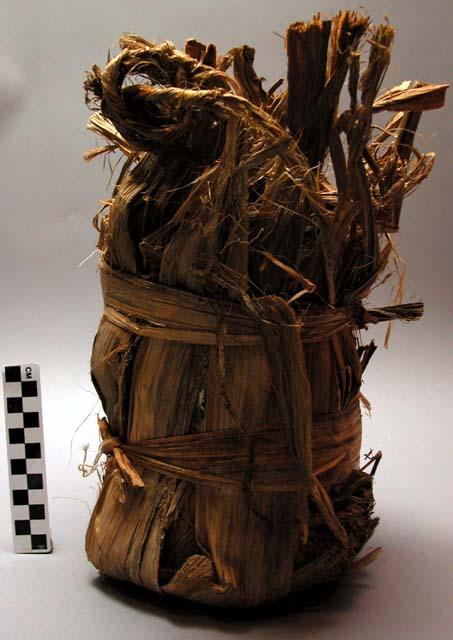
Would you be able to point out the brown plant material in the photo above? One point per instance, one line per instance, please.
(244, 232)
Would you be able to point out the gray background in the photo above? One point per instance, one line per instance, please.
(50, 311)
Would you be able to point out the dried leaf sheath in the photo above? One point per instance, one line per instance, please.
(244, 232)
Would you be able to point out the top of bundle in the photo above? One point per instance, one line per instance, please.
(233, 191)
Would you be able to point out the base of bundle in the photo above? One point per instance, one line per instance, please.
(320, 560)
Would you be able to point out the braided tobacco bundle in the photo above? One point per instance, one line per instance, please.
(244, 232)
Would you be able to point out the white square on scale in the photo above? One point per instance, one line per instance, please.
(32, 403)
(13, 389)
(18, 482)
(16, 451)
(33, 435)
(21, 512)
(39, 526)
(22, 544)
(34, 465)
(36, 496)
(15, 421)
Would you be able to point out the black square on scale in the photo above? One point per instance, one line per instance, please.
(34, 481)
(29, 389)
(14, 405)
(22, 527)
(12, 374)
(33, 450)
(37, 512)
(39, 541)
(18, 467)
(16, 436)
(31, 419)
(20, 496)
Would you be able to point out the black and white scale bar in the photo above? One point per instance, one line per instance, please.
(26, 462)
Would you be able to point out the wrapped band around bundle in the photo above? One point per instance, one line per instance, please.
(148, 309)
(260, 461)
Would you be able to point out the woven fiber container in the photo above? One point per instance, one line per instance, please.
(245, 231)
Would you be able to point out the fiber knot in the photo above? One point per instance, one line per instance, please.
(109, 443)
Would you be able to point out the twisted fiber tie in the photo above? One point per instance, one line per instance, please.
(260, 461)
(148, 309)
